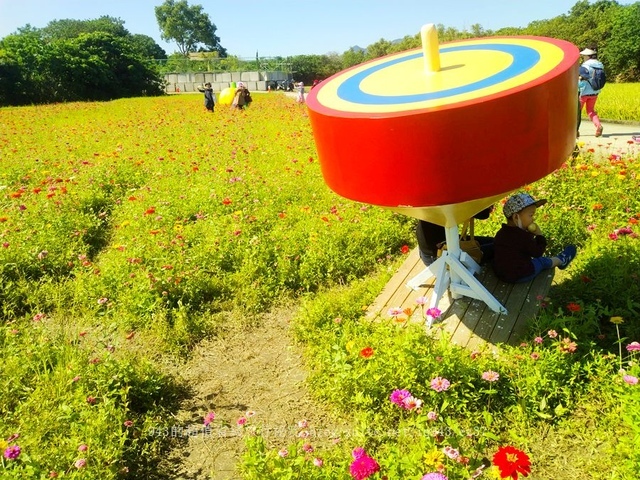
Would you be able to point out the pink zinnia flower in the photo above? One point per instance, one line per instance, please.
(434, 476)
(552, 334)
(630, 379)
(318, 462)
(209, 418)
(303, 423)
(432, 416)
(12, 452)
(363, 466)
(80, 463)
(241, 421)
(398, 396)
(538, 339)
(434, 312)
(411, 403)
(633, 347)
(421, 300)
(283, 453)
(440, 384)
(307, 447)
(451, 452)
(490, 376)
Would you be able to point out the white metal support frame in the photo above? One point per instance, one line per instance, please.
(454, 271)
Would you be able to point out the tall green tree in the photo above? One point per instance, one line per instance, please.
(623, 47)
(188, 26)
(69, 28)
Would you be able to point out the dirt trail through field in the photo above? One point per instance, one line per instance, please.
(249, 369)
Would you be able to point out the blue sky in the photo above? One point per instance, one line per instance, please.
(286, 27)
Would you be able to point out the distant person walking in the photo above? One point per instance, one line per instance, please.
(590, 83)
(209, 96)
(242, 97)
(300, 97)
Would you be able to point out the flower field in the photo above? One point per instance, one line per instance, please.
(131, 230)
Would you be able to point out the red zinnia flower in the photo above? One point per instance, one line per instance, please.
(404, 249)
(366, 352)
(573, 307)
(511, 462)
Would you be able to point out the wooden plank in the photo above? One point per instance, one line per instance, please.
(383, 302)
(477, 308)
(488, 320)
(538, 290)
(467, 322)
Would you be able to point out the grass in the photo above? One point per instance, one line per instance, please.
(130, 230)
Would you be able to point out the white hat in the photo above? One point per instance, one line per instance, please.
(240, 84)
(587, 51)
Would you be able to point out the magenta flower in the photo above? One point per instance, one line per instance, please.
(241, 421)
(630, 379)
(434, 312)
(434, 476)
(490, 376)
(633, 347)
(538, 339)
(12, 452)
(398, 396)
(440, 384)
(363, 466)
(209, 418)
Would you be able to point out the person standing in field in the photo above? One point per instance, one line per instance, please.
(589, 89)
(300, 97)
(209, 96)
(242, 98)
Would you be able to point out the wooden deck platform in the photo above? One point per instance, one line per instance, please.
(469, 322)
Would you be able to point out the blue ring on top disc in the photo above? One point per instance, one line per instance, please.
(524, 58)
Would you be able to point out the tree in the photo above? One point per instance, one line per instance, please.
(67, 28)
(188, 26)
(623, 47)
(147, 46)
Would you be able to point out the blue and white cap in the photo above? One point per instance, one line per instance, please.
(519, 202)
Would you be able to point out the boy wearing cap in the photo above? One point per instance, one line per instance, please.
(589, 96)
(519, 245)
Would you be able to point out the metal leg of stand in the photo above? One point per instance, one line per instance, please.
(454, 271)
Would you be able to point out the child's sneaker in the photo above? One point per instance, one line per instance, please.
(599, 131)
(568, 254)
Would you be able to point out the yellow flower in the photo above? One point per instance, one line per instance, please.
(433, 458)
(616, 320)
(349, 345)
(3, 445)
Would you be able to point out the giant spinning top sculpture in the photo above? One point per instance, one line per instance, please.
(443, 131)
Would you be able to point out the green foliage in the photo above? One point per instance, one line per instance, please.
(188, 26)
(76, 60)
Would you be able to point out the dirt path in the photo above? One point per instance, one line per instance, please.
(249, 369)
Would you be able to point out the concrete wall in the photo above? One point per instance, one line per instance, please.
(189, 82)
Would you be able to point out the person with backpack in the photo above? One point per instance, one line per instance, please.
(591, 80)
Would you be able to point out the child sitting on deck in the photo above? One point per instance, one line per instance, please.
(519, 244)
